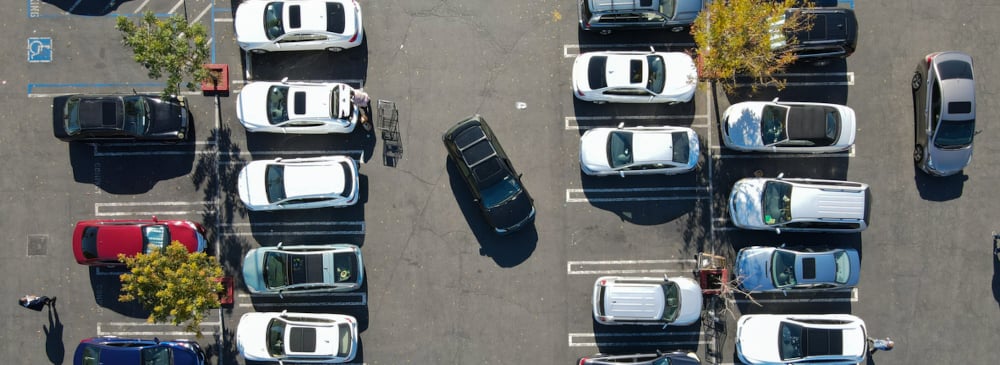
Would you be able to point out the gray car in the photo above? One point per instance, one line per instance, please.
(761, 268)
(944, 111)
(607, 15)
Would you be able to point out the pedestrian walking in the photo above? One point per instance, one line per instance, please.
(876, 344)
(35, 302)
(363, 102)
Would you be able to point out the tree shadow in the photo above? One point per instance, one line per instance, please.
(351, 65)
(107, 287)
(939, 189)
(805, 82)
(507, 251)
(54, 347)
(609, 338)
(89, 8)
(650, 200)
(224, 347)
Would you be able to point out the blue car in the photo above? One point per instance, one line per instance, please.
(762, 269)
(127, 351)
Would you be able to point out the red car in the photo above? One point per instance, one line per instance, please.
(98, 242)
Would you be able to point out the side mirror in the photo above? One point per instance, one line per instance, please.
(278, 159)
(284, 80)
(284, 313)
(651, 50)
(785, 292)
(280, 244)
(621, 125)
(782, 245)
(154, 219)
(777, 230)
(156, 339)
(135, 92)
(781, 175)
(621, 173)
(775, 100)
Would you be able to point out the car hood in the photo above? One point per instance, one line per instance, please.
(745, 204)
(511, 213)
(753, 268)
(691, 301)
(249, 22)
(594, 150)
(743, 124)
(251, 336)
(687, 10)
(168, 117)
(251, 104)
(682, 74)
(251, 184)
(757, 339)
(253, 274)
(948, 162)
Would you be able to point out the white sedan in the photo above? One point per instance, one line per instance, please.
(316, 182)
(801, 338)
(634, 77)
(298, 25)
(794, 127)
(297, 107)
(638, 151)
(297, 337)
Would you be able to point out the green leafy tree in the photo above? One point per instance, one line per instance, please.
(168, 46)
(174, 285)
(735, 37)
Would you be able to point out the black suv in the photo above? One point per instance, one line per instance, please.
(834, 34)
(122, 117)
(494, 183)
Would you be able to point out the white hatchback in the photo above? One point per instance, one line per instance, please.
(298, 25)
(297, 337)
(639, 151)
(315, 182)
(297, 107)
(634, 77)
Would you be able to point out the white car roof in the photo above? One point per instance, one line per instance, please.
(813, 202)
(313, 179)
(312, 18)
(652, 146)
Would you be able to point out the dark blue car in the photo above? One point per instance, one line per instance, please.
(127, 351)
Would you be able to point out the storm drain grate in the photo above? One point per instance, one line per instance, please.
(37, 244)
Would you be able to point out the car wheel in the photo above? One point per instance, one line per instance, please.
(335, 49)
(258, 51)
(916, 81)
(918, 153)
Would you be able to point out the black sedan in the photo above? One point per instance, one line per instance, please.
(122, 117)
(494, 183)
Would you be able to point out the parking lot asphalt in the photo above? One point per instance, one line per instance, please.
(441, 287)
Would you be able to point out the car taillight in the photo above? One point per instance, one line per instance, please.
(579, 92)
(355, 37)
(930, 57)
(582, 360)
(602, 282)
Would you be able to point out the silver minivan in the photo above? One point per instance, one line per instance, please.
(944, 113)
(800, 205)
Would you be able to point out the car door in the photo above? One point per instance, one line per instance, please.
(303, 127)
(300, 41)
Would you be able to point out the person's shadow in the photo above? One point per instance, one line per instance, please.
(53, 336)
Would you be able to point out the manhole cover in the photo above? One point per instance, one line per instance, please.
(37, 244)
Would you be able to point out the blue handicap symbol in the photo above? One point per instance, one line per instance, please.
(40, 49)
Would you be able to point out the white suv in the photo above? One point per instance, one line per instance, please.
(800, 205)
(647, 301)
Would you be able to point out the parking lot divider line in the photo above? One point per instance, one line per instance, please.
(628, 271)
(631, 262)
(636, 334)
(202, 14)
(177, 5)
(571, 123)
(299, 223)
(141, 6)
(301, 233)
(362, 295)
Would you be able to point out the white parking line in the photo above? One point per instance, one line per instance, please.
(247, 156)
(203, 12)
(764, 155)
(53, 95)
(852, 299)
(570, 266)
(244, 298)
(149, 329)
(224, 20)
(644, 46)
(572, 343)
(141, 6)
(361, 227)
(177, 208)
(696, 193)
(573, 123)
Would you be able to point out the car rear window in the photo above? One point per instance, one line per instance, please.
(959, 107)
(295, 17)
(681, 147)
(336, 19)
(345, 340)
(955, 70)
(344, 263)
(595, 72)
(348, 179)
(273, 27)
(89, 242)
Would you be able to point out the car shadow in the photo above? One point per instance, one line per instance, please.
(90, 8)
(803, 82)
(506, 251)
(589, 115)
(224, 346)
(939, 189)
(312, 226)
(650, 200)
(663, 40)
(635, 339)
(107, 287)
(996, 270)
(351, 65)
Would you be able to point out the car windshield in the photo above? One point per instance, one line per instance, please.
(619, 149)
(783, 268)
(277, 104)
(155, 238)
(273, 27)
(136, 115)
(274, 182)
(72, 116)
(276, 337)
(843, 263)
(953, 134)
(790, 341)
(777, 202)
(668, 8)
(954, 70)
(671, 301)
(275, 270)
(500, 192)
(345, 340)
(156, 356)
(657, 74)
(772, 124)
